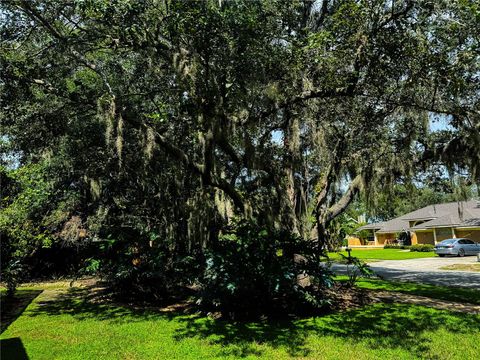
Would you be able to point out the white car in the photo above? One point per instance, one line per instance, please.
(457, 247)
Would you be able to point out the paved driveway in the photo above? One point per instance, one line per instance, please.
(426, 270)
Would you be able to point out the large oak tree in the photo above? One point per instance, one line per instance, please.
(178, 115)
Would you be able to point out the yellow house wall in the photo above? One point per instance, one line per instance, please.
(354, 241)
(470, 234)
(425, 237)
(413, 238)
(382, 238)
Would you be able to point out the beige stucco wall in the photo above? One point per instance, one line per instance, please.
(425, 237)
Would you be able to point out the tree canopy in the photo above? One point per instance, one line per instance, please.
(160, 121)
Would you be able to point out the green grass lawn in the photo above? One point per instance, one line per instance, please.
(382, 254)
(436, 292)
(69, 327)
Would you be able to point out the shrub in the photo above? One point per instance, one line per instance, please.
(394, 246)
(359, 268)
(12, 275)
(139, 265)
(422, 247)
(252, 272)
(137, 272)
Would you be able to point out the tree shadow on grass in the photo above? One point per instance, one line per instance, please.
(244, 336)
(396, 326)
(379, 326)
(88, 303)
(12, 349)
(13, 307)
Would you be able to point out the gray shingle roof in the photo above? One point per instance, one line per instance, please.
(438, 210)
(471, 222)
(446, 220)
(457, 214)
(394, 225)
(373, 226)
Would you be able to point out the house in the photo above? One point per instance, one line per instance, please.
(428, 225)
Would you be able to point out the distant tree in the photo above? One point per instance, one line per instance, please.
(404, 197)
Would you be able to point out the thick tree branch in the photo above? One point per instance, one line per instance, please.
(304, 96)
(201, 170)
(339, 207)
(325, 185)
(327, 180)
(230, 190)
(228, 149)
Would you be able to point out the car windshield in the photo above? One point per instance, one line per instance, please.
(449, 241)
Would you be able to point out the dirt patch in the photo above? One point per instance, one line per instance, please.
(462, 267)
(96, 292)
(396, 297)
(344, 298)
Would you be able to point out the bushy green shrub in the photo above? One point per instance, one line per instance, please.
(33, 224)
(391, 246)
(394, 246)
(422, 247)
(12, 275)
(136, 271)
(252, 271)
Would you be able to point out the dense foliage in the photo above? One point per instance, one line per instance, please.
(142, 129)
(252, 272)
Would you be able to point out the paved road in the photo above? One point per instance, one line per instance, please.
(426, 270)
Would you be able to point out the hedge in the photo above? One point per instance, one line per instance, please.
(394, 246)
(422, 247)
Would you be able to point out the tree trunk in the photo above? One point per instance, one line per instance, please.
(291, 141)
